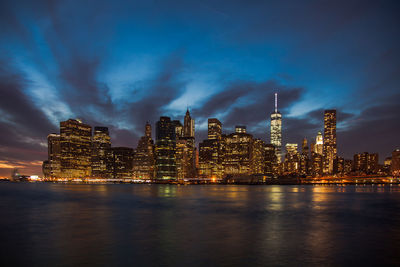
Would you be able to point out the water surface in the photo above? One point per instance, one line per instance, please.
(198, 225)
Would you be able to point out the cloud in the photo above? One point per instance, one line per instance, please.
(348, 60)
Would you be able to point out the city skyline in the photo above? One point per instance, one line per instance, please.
(77, 152)
(115, 67)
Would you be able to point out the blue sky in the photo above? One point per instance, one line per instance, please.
(119, 64)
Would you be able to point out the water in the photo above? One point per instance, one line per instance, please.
(210, 225)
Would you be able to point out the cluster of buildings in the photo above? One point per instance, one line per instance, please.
(79, 151)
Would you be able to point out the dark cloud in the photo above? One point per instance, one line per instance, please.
(376, 129)
(17, 106)
(71, 44)
(23, 126)
(161, 91)
(258, 101)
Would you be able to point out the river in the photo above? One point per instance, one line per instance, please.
(49, 224)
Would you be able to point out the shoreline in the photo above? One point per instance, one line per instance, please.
(274, 181)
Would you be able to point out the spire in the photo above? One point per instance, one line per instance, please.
(276, 102)
(187, 111)
(147, 131)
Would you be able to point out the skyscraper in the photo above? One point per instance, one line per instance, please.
(329, 147)
(188, 125)
(210, 151)
(76, 149)
(143, 159)
(269, 160)
(276, 130)
(54, 155)
(119, 162)
(214, 129)
(395, 165)
(165, 149)
(304, 146)
(304, 158)
(291, 163)
(366, 163)
(319, 144)
(179, 132)
(237, 153)
(101, 142)
(186, 149)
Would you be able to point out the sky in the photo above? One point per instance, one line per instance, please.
(122, 63)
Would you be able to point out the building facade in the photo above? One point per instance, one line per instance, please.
(101, 142)
(276, 131)
(188, 125)
(120, 162)
(329, 146)
(53, 168)
(366, 163)
(143, 159)
(165, 149)
(395, 163)
(76, 149)
(319, 144)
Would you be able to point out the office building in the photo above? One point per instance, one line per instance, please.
(143, 159)
(292, 161)
(366, 163)
(395, 163)
(101, 142)
(53, 166)
(316, 165)
(319, 144)
(76, 149)
(329, 146)
(270, 167)
(165, 149)
(237, 149)
(188, 125)
(276, 130)
(214, 129)
(120, 162)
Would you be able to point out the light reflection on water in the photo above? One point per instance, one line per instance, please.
(153, 225)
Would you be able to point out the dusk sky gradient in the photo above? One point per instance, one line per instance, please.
(122, 63)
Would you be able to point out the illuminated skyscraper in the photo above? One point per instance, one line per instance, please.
(120, 162)
(237, 149)
(316, 164)
(257, 164)
(165, 149)
(101, 142)
(179, 132)
(304, 146)
(54, 155)
(329, 147)
(214, 129)
(188, 125)
(319, 144)
(292, 162)
(143, 160)
(276, 130)
(185, 148)
(304, 158)
(366, 163)
(76, 149)
(185, 160)
(210, 159)
(240, 129)
(395, 163)
(269, 160)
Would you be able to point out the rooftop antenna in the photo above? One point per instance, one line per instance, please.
(276, 102)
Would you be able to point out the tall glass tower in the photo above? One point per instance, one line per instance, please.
(276, 130)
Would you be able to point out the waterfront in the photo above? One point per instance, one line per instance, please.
(197, 225)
